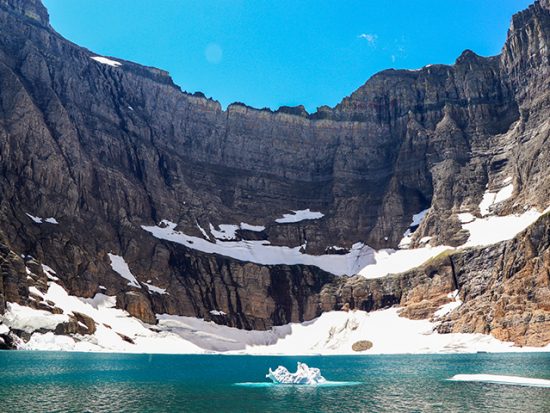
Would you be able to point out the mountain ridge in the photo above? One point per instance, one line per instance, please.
(105, 149)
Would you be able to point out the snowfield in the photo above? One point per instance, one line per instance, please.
(331, 333)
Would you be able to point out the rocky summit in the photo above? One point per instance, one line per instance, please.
(422, 188)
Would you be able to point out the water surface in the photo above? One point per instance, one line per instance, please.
(87, 382)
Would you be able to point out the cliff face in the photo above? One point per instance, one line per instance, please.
(107, 148)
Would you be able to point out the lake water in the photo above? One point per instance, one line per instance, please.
(85, 382)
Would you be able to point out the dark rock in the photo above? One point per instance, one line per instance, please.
(107, 149)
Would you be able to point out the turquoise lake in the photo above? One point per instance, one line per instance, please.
(87, 382)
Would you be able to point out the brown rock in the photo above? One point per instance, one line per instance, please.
(362, 345)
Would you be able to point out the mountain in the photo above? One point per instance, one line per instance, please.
(116, 183)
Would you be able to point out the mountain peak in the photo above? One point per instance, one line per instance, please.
(32, 9)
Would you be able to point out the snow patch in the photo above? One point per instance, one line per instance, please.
(262, 252)
(254, 228)
(217, 312)
(155, 289)
(300, 215)
(492, 198)
(106, 61)
(492, 229)
(121, 268)
(225, 232)
(390, 261)
(28, 319)
(39, 220)
(450, 306)
(407, 235)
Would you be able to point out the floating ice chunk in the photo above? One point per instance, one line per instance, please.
(497, 379)
(303, 375)
(119, 266)
(300, 215)
(106, 61)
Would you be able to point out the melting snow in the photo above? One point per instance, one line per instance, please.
(225, 232)
(121, 267)
(492, 198)
(155, 289)
(390, 261)
(39, 220)
(407, 235)
(332, 333)
(106, 61)
(254, 228)
(217, 312)
(492, 229)
(450, 306)
(297, 216)
(261, 252)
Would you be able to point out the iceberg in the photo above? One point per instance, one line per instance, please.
(303, 375)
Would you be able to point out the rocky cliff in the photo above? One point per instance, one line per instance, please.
(93, 150)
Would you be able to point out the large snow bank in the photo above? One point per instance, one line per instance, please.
(332, 333)
(262, 252)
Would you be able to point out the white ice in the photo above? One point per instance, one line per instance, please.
(106, 61)
(304, 375)
(300, 215)
(121, 267)
(498, 379)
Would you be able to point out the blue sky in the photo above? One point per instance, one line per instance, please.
(280, 52)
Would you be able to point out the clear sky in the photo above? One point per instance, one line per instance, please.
(283, 52)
